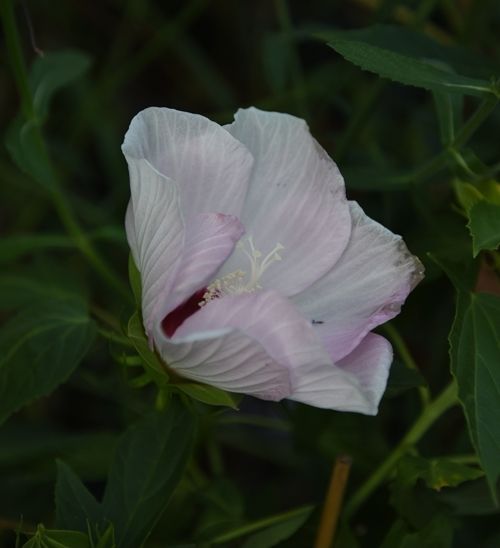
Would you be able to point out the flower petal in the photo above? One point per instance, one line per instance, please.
(154, 231)
(333, 387)
(365, 288)
(263, 339)
(210, 167)
(370, 362)
(209, 240)
(228, 360)
(296, 198)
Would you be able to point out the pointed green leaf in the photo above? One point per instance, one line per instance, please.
(475, 355)
(39, 349)
(47, 538)
(76, 508)
(149, 462)
(53, 71)
(274, 529)
(405, 56)
(484, 225)
(24, 145)
(436, 534)
(436, 473)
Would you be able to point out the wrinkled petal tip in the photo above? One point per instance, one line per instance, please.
(354, 384)
(370, 363)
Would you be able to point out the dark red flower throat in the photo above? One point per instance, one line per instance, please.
(180, 314)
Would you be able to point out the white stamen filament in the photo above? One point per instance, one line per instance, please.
(234, 282)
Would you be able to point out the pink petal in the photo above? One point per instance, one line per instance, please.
(209, 240)
(296, 198)
(252, 343)
(210, 167)
(370, 362)
(155, 233)
(365, 288)
(228, 360)
(356, 383)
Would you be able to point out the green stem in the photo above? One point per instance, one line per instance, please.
(297, 74)
(16, 58)
(475, 121)
(407, 358)
(429, 415)
(59, 200)
(359, 118)
(114, 337)
(261, 524)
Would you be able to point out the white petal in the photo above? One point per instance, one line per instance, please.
(266, 337)
(210, 238)
(155, 233)
(355, 384)
(365, 288)
(210, 167)
(228, 360)
(370, 362)
(296, 198)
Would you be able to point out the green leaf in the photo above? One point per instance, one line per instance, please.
(467, 194)
(449, 109)
(436, 473)
(38, 285)
(134, 277)
(13, 247)
(76, 508)
(277, 533)
(207, 394)
(149, 461)
(274, 529)
(401, 379)
(46, 538)
(39, 349)
(395, 535)
(475, 355)
(470, 499)
(53, 71)
(436, 534)
(48, 74)
(484, 225)
(405, 56)
(26, 149)
(151, 360)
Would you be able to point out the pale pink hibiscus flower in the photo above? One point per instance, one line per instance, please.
(258, 276)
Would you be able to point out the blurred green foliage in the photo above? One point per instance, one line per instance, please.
(415, 134)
